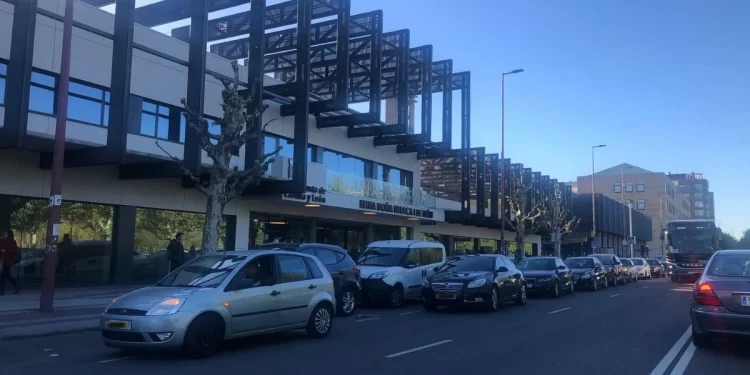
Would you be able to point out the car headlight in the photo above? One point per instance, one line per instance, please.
(167, 307)
(379, 275)
(477, 283)
(586, 276)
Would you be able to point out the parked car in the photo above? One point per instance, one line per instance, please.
(485, 280)
(642, 268)
(721, 298)
(546, 275)
(588, 272)
(341, 267)
(628, 271)
(393, 271)
(223, 296)
(613, 267)
(658, 268)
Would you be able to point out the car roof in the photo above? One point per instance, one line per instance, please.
(294, 245)
(734, 251)
(254, 253)
(404, 243)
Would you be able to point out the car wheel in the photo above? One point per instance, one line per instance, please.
(701, 341)
(397, 297)
(606, 283)
(596, 285)
(347, 302)
(494, 302)
(321, 321)
(572, 288)
(203, 337)
(521, 299)
(430, 307)
(555, 290)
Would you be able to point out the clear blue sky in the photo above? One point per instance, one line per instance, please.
(665, 84)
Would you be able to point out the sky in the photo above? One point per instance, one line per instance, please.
(664, 84)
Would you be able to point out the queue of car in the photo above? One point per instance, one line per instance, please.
(281, 286)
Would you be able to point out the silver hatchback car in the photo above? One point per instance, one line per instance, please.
(223, 296)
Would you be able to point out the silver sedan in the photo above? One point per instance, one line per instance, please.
(223, 296)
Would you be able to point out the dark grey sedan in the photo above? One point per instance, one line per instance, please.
(721, 299)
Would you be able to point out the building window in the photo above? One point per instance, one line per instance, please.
(698, 187)
(628, 187)
(618, 187)
(698, 204)
(42, 93)
(698, 196)
(641, 204)
(640, 186)
(699, 213)
(155, 120)
(3, 74)
(88, 104)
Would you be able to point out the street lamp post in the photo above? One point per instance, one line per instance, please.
(622, 194)
(502, 158)
(630, 220)
(593, 194)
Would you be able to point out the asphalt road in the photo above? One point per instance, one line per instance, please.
(636, 329)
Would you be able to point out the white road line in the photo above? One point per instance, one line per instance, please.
(684, 361)
(615, 295)
(366, 319)
(557, 311)
(114, 359)
(644, 287)
(662, 366)
(410, 312)
(423, 347)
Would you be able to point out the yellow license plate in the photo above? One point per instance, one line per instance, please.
(446, 296)
(118, 324)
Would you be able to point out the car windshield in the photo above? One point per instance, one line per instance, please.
(691, 237)
(203, 272)
(654, 262)
(606, 260)
(579, 262)
(469, 264)
(637, 262)
(539, 264)
(382, 256)
(731, 265)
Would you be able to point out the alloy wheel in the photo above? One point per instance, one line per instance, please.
(322, 321)
(348, 302)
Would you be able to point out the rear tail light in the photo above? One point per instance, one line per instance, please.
(704, 295)
(356, 269)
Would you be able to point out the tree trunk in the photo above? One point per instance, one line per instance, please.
(214, 211)
(520, 250)
(558, 247)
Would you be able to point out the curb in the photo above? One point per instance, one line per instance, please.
(67, 308)
(47, 334)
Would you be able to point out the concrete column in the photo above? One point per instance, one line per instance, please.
(450, 244)
(123, 243)
(369, 234)
(416, 233)
(242, 231)
(312, 230)
(230, 222)
(5, 213)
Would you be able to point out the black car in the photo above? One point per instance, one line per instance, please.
(613, 266)
(546, 275)
(343, 270)
(658, 269)
(588, 272)
(485, 280)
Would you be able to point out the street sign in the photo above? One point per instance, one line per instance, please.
(631, 239)
(595, 244)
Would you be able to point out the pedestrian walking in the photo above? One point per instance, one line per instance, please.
(176, 252)
(9, 256)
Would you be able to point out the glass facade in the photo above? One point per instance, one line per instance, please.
(3, 74)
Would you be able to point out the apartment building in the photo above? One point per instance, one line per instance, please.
(652, 193)
(696, 189)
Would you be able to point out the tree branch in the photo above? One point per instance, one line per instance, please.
(202, 189)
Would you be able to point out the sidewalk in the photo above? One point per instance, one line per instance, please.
(76, 309)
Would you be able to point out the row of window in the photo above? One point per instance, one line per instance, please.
(639, 187)
(90, 105)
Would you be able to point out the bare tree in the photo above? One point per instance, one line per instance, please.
(555, 219)
(225, 182)
(522, 219)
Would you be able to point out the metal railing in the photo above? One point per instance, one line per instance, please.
(349, 184)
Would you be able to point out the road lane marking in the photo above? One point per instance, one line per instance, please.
(114, 359)
(557, 311)
(644, 287)
(410, 312)
(365, 320)
(684, 361)
(423, 347)
(662, 366)
(615, 295)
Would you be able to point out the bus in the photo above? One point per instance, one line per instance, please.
(690, 244)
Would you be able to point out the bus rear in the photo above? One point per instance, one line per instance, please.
(690, 243)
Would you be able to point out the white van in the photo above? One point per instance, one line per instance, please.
(393, 271)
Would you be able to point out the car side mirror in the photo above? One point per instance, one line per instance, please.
(436, 269)
(560, 267)
(502, 269)
(410, 265)
(597, 269)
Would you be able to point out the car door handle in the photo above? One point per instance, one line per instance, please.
(312, 286)
(275, 293)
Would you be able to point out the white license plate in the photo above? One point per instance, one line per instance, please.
(445, 296)
(118, 324)
(745, 301)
